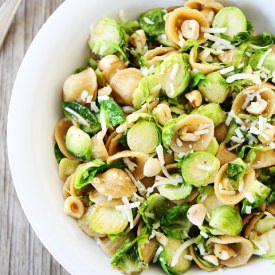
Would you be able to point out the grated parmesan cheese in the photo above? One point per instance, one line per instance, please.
(94, 107)
(148, 21)
(218, 40)
(80, 119)
(127, 209)
(261, 60)
(227, 70)
(84, 95)
(174, 72)
(204, 234)
(249, 197)
(141, 188)
(237, 139)
(188, 257)
(255, 78)
(213, 30)
(204, 167)
(180, 250)
(101, 98)
(248, 209)
(159, 250)
(131, 165)
(103, 122)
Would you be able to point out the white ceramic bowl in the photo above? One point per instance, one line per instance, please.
(35, 107)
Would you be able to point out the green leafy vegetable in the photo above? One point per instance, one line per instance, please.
(236, 170)
(226, 219)
(127, 258)
(112, 112)
(131, 26)
(175, 224)
(259, 192)
(87, 119)
(88, 171)
(153, 209)
(196, 80)
(152, 22)
(264, 39)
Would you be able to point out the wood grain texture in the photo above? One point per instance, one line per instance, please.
(21, 252)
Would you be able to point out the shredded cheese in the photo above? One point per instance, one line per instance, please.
(80, 119)
(204, 167)
(248, 209)
(218, 40)
(180, 250)
(159, 250)
(249, 197)
(213, 30)
(204, 234)
(94, 107)
(174, 72)
(227, 70)
(255, 78)
(127, 209)
(131, 165)
(148, 21)
(103, 122)
(101, 98)
(141, 188)
(188, 257)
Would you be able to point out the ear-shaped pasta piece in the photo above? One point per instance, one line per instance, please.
(264, 159)
(192, 132)
(264, 105)
(98, 147)
(66, 187)
(148, 250)
(67, 167)
(203, 68)
(180, 21)
(110, 247)
(224, 155)
(138, 158)
(229, 197)
(102, 200)
(241, 247)
(112, 144)
(124, 83)
(158, 52)
(199, 262)
(114, 183)
(75, 84)
(84, 224)
(111, 70)
(254, 218)
(271, 208)
(203, 4)
(60, 132)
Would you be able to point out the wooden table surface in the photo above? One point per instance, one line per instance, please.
(21, 252)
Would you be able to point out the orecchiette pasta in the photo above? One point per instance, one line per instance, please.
(167, 144)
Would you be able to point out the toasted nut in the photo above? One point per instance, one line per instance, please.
(152, 167)
(211, 259)
(163, 113)
(196, 214)
(106, 62)
(138, 39)
(74, 207)
(257, 108)
(161, 238)
(223, 251)
(209, 14)
(190, 29)
(194, 98)
(267, 135)
(105, 91)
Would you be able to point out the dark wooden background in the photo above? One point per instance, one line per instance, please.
(21, 252)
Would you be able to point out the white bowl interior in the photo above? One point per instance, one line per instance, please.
(35, 108)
